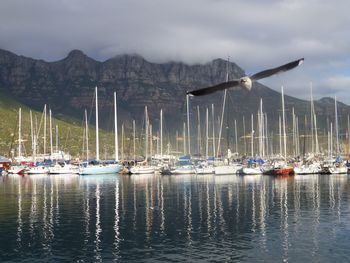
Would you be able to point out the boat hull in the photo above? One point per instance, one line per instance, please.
(99, 169)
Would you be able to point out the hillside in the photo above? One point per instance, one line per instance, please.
(70, 131)
(67, 86)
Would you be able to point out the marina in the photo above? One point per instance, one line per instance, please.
(174, 131)
(150, 218)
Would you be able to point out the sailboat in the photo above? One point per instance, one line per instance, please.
(280, 167)
(144, 168)
(99, 167)
(338, 167)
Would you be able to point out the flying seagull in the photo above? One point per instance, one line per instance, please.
(247, 81)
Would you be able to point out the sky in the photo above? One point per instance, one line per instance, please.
(255, 34)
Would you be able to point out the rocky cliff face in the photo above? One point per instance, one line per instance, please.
(68, 87)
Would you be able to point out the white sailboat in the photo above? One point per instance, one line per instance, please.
(338, 167)
(100, 167)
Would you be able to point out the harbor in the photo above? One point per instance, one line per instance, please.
(171, 218)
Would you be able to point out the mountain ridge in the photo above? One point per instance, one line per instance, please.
(67, 86)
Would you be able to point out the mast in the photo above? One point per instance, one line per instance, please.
(31, 131)
(312, 121)
(188, 125)
(331, 141)
(336, 125)
(146, 133)
(266, 136)
(50, 124)
(314, 124)
(19, 132)
(222, 120)
(213, 119)
(284, 127)
(245, 139)
(223, 109)
(207, 134)
(116, 128)
(97, 137)
(184, 137)
(280, 133)
(252, 139)
(87, 135)
(123, 142)
(236, 141)
(134, 137)
(161, 132)
(199, 131)
(348, 135)
(294, 133)
(56, 138)
(45, 130)
(150, 140)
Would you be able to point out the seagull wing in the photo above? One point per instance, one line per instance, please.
(273, 71)
(208, 90)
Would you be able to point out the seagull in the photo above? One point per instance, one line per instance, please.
(246, 81)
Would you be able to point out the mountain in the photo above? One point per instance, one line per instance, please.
(67, 86)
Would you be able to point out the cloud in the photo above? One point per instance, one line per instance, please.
(256, 34)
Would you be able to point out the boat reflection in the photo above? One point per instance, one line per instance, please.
(118, 218)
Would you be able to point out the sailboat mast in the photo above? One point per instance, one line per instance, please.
(123, 141)
(146, 133)
(161, 132)
(184, 137)
(245, 140)
(252, 138)
(336, 124)
(331, 141)
(348, 136)
(188, 124)
(87, 135)
(50, 124)
(19, 132)
(45, 130)
(199, 131)
(284, 127)
(236, 139)
(116, 128)
(134, 138)
(207, 134)
(97, 137)
(280, 133)
(222, 120)
(213, 119)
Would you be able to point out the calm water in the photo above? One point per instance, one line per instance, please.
(174, 218)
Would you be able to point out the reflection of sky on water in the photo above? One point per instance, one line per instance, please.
(170, 218)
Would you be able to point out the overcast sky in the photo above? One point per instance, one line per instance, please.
(256, 34)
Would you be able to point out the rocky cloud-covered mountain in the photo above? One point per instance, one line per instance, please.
(67, 86)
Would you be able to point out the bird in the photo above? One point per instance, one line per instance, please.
(246, 82)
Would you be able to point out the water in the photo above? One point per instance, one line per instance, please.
(150, 218)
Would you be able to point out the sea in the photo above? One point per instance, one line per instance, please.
(177, 218)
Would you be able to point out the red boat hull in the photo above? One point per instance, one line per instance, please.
(286, 171)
